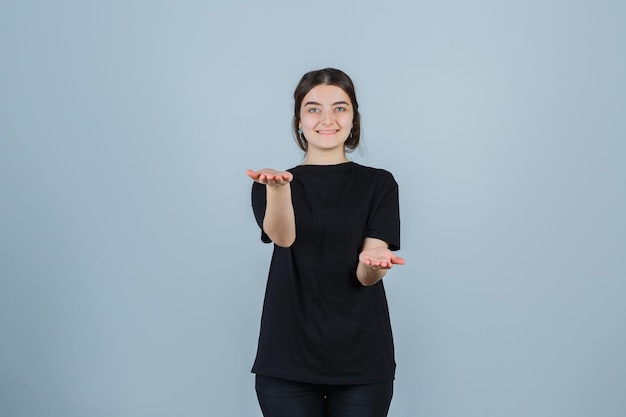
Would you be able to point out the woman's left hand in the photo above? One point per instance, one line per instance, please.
(380, 258)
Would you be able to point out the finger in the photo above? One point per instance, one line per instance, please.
(269, 180)
(252, 174)
(397, 260)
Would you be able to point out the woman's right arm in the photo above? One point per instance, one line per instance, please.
(279, 222)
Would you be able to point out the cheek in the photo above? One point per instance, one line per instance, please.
(346, 120)
(307, 121)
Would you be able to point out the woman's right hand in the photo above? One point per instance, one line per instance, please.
(271, 177)
(279, 222)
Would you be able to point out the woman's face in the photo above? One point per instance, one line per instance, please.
(326, 116)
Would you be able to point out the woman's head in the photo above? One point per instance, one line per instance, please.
(329, 77)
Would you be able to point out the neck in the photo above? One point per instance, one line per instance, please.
(324, 158)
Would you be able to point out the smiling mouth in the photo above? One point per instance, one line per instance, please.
(327, 132)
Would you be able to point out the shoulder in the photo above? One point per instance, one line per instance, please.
(376, 174)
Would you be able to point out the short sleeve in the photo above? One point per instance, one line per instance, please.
(259, 194)
(384, 220)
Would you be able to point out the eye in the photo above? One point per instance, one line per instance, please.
(313, 110)
(340, 109)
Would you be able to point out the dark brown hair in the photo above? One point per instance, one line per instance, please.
(326, 76)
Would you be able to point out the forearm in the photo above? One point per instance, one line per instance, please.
(279, 222)
(369, 275)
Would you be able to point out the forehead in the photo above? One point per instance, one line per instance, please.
(326, 94)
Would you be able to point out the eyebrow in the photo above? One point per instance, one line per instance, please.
(315, 103)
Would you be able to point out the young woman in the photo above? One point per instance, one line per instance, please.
(325, 345)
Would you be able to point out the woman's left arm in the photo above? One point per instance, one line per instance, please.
(375, 260)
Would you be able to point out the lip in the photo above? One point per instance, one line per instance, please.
(327, 132)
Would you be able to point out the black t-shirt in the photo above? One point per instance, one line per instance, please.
(319, 324)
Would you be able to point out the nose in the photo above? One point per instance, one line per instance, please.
(327, 117)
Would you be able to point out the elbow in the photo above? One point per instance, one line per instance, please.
(284, 244)
(283, 241)
(282, 234)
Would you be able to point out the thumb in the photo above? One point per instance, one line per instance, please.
(397, 260)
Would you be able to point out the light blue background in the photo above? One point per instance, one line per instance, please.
(131, 269)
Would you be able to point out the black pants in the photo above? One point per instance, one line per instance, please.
(283, 398)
